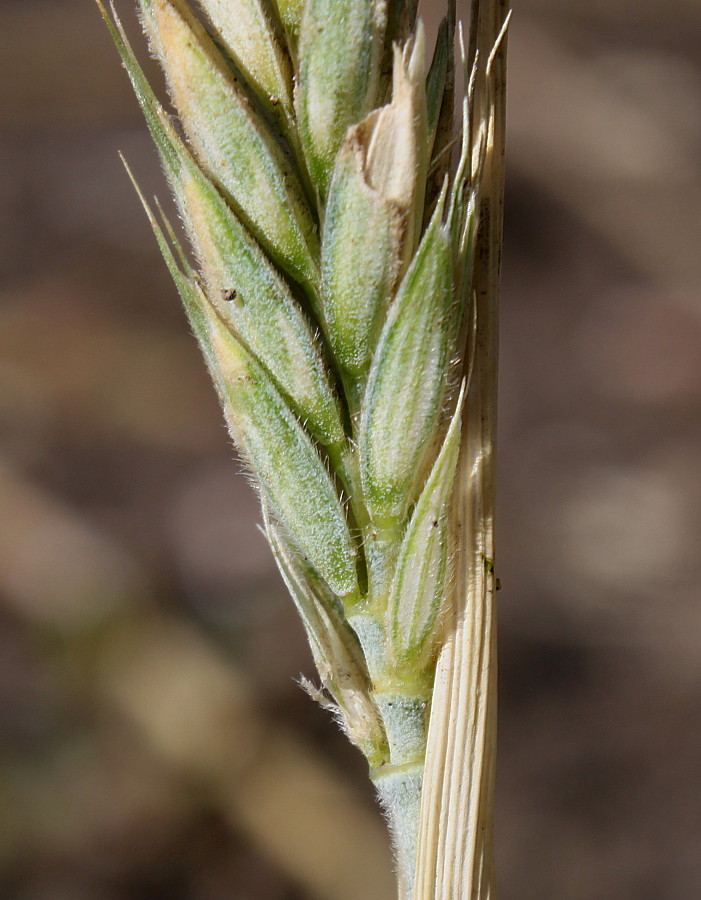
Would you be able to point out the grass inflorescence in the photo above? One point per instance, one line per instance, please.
(332, 295)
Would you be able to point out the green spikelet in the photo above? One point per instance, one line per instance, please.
(419, 586)
(286, 464)
(290, 14)
(335, 648)
(231, 140)
(406, 384)
(250, 33)
(340, 52)
(373, 214)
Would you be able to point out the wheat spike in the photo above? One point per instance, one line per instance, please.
(336, 296)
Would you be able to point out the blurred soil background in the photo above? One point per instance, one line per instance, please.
(153, 741)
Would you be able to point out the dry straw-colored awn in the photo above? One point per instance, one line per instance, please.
(343, 296)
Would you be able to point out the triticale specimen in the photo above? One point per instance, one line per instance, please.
(342, 244)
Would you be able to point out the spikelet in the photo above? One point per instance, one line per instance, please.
(232, 141)
(340, 57)
(373, 213)
(309, 159)
(248, 31)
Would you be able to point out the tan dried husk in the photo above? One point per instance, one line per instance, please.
(455, 855)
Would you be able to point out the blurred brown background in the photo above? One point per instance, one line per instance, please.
(153, 742)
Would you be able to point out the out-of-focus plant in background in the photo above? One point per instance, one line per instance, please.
(152, 742)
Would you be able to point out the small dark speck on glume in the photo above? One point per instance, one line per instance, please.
(230, 294)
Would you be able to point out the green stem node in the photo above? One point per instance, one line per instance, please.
(405, 720)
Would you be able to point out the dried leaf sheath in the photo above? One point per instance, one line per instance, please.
(309, 161)
(456, 830)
